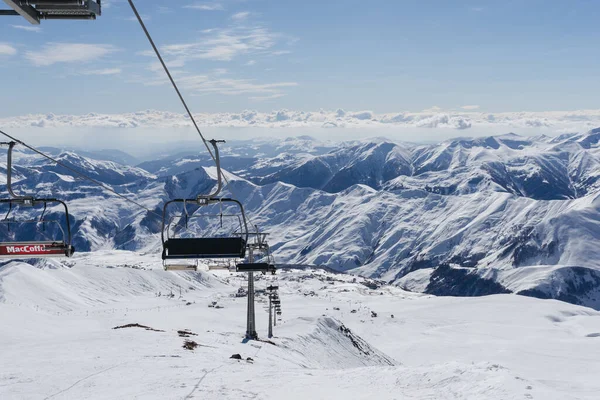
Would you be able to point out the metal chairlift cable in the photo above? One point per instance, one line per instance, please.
(139, 18)
(82, 175)
(166, 69)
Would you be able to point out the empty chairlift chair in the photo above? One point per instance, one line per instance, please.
(259, 249)
(203, 246)
(57, 242)
(199, 246)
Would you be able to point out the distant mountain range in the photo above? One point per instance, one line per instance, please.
(463, 217)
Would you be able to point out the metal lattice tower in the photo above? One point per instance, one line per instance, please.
(258, 248)
(251, 322)
(270, 318)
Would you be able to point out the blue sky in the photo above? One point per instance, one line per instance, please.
(385, 56)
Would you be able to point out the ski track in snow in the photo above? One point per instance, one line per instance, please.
(83, 379)
(190, 395)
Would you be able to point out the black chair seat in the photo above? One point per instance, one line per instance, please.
(255, 267)
(180, 248)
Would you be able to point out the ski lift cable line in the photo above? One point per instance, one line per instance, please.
(187, 109)
(80, 174)
(162, 62)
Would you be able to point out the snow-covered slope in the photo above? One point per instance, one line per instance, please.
(338, 337)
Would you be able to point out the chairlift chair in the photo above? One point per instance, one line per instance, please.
(204, 247)
(258, 248)
(36, 10)
(52, 247)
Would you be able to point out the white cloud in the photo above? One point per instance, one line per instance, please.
(229, 86)
(53, 53)
(156, 66)
(105, 71)
(264, 98)
(206, 6)
(362, 115)
(146, 53)
(473, 107)
(7, 50)
(241, 16)
(213, 82)
(220, 44)
(280, 52)
(550, 121)
(225, 44)
(27, 28)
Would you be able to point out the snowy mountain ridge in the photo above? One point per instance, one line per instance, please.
(463, 217)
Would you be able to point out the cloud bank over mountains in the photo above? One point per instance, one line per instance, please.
(433, 118)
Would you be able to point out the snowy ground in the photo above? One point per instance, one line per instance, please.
(57, 341)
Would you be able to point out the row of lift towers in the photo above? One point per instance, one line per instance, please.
(250, 247)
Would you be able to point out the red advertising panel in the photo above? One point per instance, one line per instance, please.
(23, 250)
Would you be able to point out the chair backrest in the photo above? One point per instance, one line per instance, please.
(230, 247)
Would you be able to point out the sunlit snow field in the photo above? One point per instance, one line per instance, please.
(57, 341)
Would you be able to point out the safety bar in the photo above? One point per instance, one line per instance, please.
(187, 217)
(211, 200)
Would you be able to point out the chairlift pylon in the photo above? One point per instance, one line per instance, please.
(202, 246)
(53, 247)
